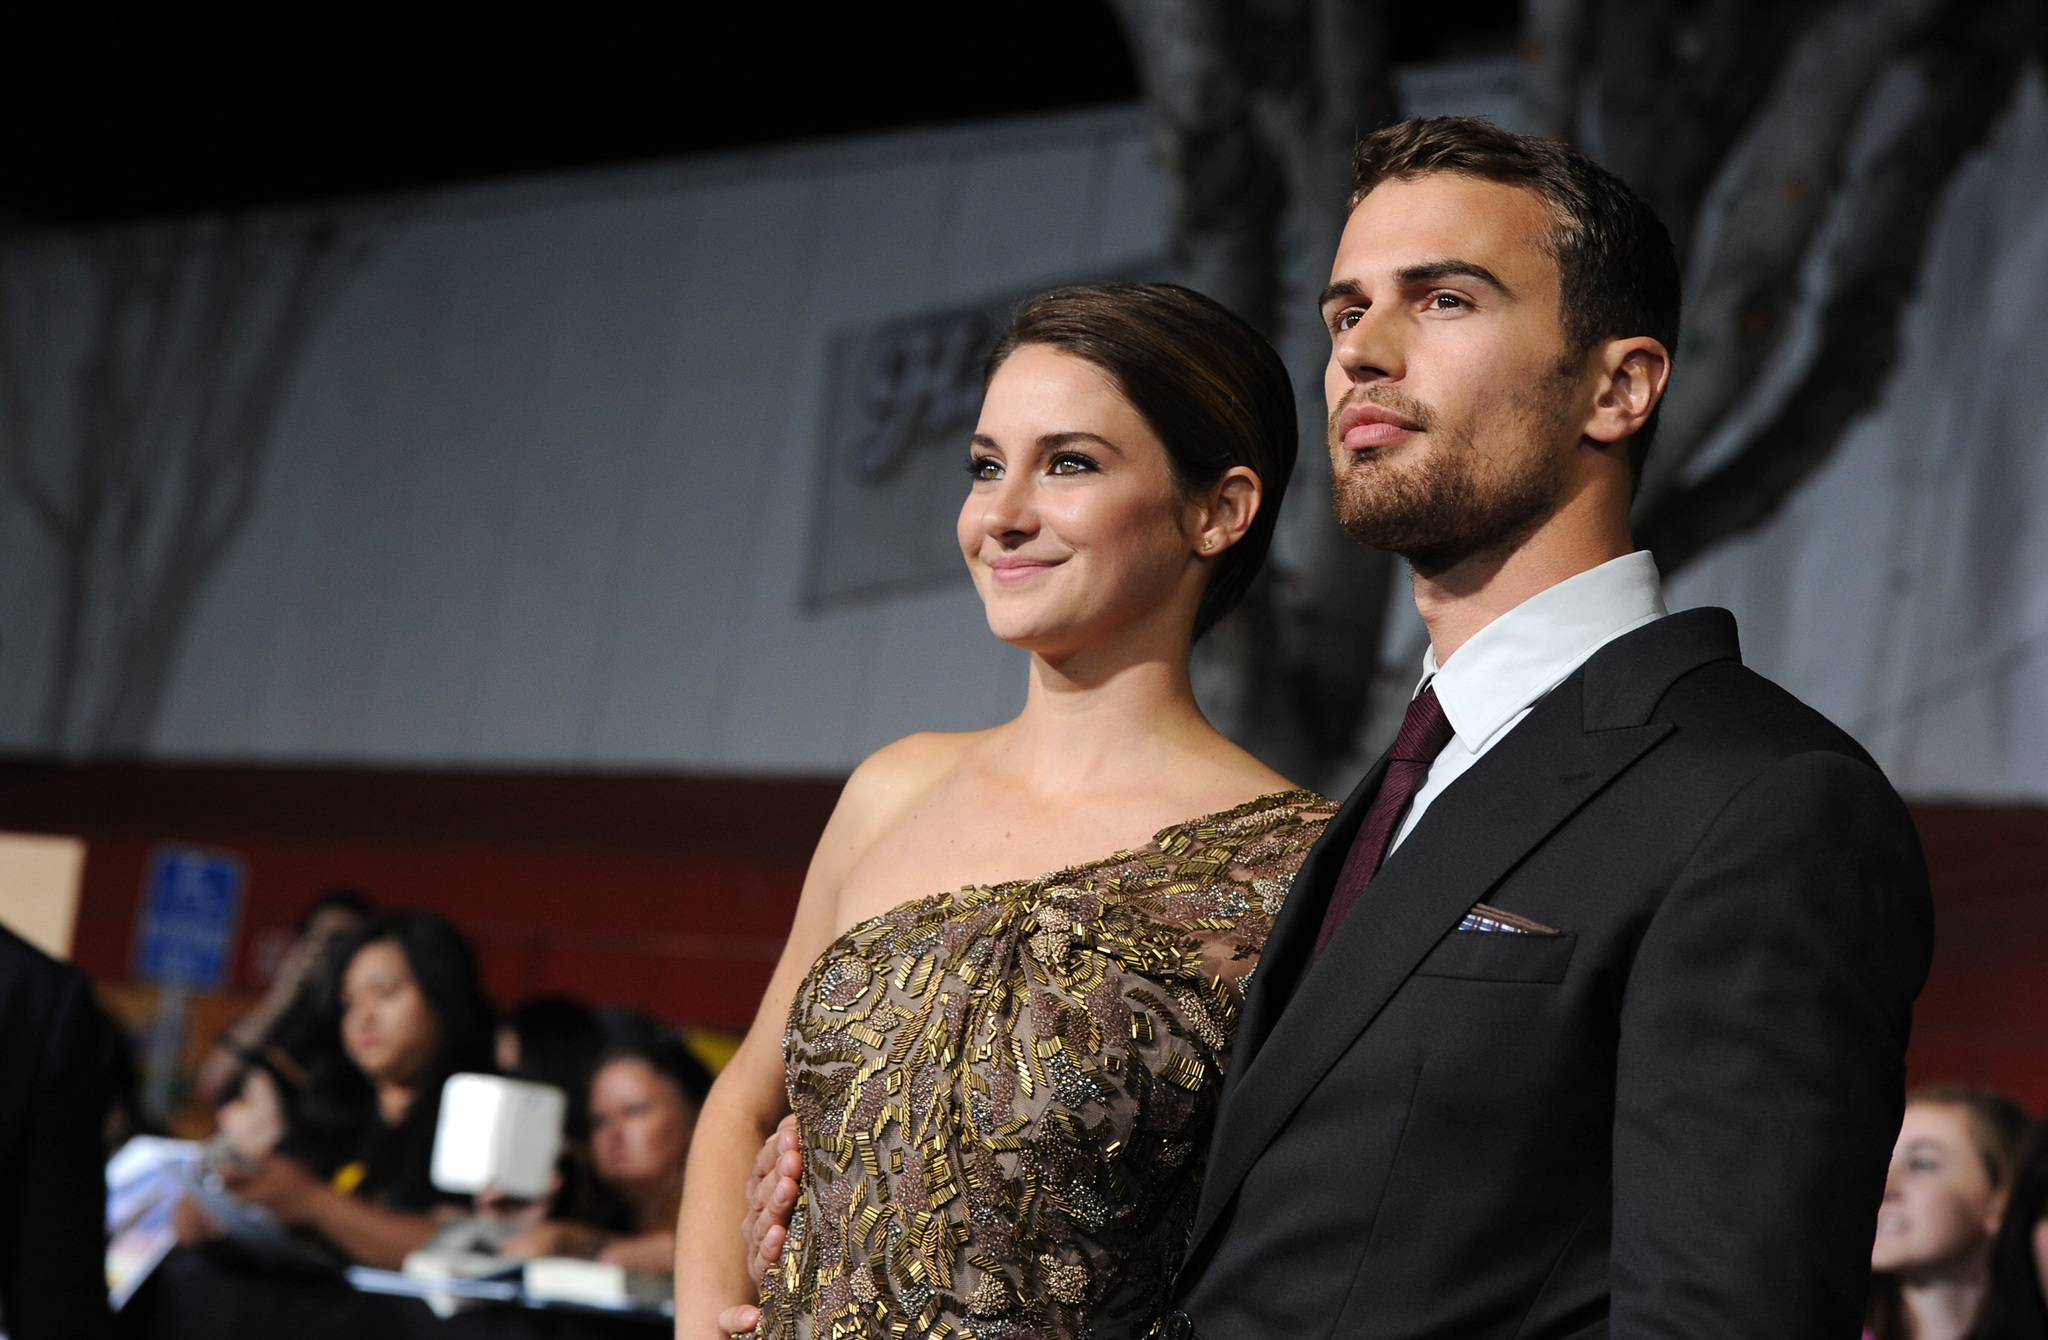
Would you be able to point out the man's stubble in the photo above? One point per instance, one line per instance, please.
(1458, 495)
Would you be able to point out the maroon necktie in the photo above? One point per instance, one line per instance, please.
(1424, 733)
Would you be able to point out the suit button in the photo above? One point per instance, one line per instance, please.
(1179, 1326)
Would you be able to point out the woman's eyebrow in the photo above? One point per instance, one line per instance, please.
(1054, 441)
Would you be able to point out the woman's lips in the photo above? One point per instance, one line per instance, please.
(1368, 427)
(1009, 571)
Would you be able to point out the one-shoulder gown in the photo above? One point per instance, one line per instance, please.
(1005, 1093)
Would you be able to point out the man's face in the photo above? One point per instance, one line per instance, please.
(1454, 410)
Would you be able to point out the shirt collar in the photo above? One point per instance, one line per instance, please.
(1525, 653)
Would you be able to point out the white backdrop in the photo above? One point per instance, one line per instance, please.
(1904, 590)
(541, 491)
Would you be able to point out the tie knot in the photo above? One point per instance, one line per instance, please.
(1424, 731)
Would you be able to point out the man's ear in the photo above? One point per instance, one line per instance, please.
(1632, 376)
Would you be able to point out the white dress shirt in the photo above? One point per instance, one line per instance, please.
(1500, 674)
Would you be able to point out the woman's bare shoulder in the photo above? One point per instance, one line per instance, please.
(894, 778)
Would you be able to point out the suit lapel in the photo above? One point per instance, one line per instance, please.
(1470, 837)
(1300, 921)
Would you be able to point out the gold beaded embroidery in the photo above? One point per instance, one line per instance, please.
(1004, 1094)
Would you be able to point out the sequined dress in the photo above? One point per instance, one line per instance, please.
(1005, 1094)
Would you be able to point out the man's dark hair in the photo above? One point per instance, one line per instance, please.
(341, 898)
(1203, 380)
(1617, 274)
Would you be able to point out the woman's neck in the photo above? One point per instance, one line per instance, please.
(393, 1102)
(1943, 1304)
(1086, 718)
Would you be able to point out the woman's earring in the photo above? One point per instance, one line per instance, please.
(1208, 543)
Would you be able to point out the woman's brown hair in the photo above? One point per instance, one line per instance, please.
(1999, 1128)
(1205, 382)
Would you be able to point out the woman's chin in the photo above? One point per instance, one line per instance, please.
(1032, 630)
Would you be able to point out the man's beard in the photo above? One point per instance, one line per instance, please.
(1457, 499)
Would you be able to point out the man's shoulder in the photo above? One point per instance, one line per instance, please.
(31, 979)
(1725, 705)
(1686, 670)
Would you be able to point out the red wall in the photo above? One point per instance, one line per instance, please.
(673, 894)
(687, 938)
(670, 894)
(1984, 1015)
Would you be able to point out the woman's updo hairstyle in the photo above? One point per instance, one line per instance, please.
(1206, 383)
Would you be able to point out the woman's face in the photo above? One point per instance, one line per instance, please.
(387, 1026)
(1073, 527)
(2041, 1255)
(1939, 1205)
(640, 1125)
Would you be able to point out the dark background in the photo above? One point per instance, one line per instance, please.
(111, 118)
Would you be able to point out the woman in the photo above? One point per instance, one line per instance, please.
(644, 1100)
(1003, 1089)
(1951, 1176)
(265, 1035)
(2017, 1306)
(409, 1012)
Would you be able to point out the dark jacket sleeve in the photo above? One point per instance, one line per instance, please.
(56, 1287)
(1762, 1061)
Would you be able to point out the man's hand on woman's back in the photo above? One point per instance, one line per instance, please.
(771, 1195)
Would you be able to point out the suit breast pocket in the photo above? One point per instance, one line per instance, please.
(1489, 956)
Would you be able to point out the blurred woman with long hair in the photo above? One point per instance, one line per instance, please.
(2017, 1306)
(1952, 1176)
(404, 1010)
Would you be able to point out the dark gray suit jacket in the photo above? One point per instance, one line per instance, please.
(1671, 1118)
(53, 1115)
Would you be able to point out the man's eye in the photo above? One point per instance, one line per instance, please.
(984, 467)
(1068, 463)
(1445, 302)
(1349, 318)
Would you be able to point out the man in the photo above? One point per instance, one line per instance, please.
(1587, 1015)
(53, 1112)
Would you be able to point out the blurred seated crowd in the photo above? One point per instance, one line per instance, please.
(329, 1095)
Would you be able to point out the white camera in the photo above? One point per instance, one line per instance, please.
(498, 1132)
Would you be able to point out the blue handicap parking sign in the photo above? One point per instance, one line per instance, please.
(191, 906)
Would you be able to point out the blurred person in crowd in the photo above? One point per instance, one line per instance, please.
(2016, 1308)
(291, 996)
(353, 1163)
(54, 1101)
(554, 1040)
(644, 1100)
(1951, 1176)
